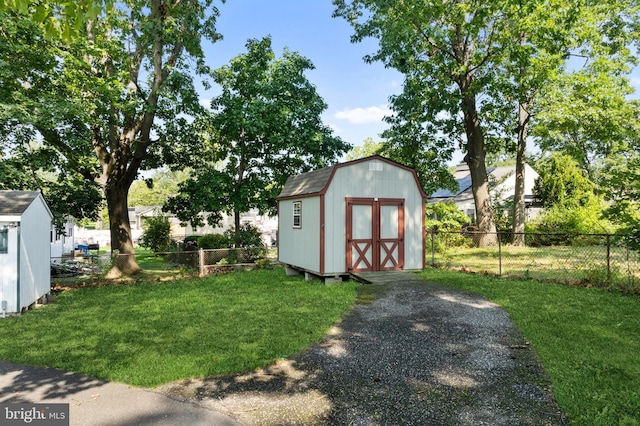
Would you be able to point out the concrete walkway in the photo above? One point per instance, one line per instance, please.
(96, 403)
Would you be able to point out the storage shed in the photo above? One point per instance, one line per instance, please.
(25, 249)
(364, 215)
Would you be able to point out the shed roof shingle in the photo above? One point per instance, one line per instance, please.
(16, 202)
(307, 183)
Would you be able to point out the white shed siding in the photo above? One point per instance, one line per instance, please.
(35, 253)
(9, 270)
(300, 246)
(371, 179)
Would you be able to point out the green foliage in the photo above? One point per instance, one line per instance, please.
(564, 224)
(599, 122)
(265, 126)
(156, 190)
(249, 238)
(157, 235)
(448, 218)
(246, 235)
(369, 147)
(60, 18)
(110, 101)
(626, 214)
(562, 183)
(213, 241)
(571, 204)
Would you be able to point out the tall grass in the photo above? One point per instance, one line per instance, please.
(587, 339)
(147, 334)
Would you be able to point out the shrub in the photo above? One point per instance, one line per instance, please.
(213, 241)
(568, 225)
(157, 235)
(446, 217)
(248, 237)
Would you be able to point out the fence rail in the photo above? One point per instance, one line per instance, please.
(587, 259)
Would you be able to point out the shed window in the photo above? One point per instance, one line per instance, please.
(297, 214)
(4, 240)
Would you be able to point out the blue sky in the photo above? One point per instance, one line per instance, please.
(357, 93)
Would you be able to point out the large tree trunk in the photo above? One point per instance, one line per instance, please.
(475, 159)
(124, 262)
(518, 195)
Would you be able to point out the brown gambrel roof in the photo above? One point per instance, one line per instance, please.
(307, 183)
(317, 181)
(14, 203)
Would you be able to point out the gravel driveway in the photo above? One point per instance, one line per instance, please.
(411, 352)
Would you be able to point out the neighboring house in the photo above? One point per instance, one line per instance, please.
(25, 249)
(502, 182)
(267, 225)
(363, 215)
(63, 241)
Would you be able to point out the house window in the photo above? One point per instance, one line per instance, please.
(4, 241)
(471, 213)
(297, 214)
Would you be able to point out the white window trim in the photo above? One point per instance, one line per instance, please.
(297, 204)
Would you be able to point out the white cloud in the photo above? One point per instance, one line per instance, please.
(205, 103)
(363, 115)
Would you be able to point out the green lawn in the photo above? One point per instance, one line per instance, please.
(151, 333)
(587, 339)
(585, 265)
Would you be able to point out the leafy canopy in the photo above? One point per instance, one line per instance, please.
(265, 126)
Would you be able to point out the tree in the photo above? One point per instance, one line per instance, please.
(156, 190)
(571, 203)
(369, 147)
(95, 100)
(58, 18)
(598, 122)
(448, 51)
(157, 233)
(263, 127)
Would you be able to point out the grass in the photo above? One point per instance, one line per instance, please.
(150, 333)
(587, 339)
(567, 264)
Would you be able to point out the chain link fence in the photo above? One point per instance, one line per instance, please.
(81, 268)
(599, 260)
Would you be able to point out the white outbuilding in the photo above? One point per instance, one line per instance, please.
(25, 249)
(365, 215)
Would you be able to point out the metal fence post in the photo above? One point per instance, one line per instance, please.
(433, 248)
(201, 261)
(499, 254)
(608, 259)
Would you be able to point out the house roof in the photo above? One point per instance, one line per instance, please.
(463, 179)
(316, 182)
(16, 202)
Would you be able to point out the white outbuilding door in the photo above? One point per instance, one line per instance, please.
(374, 234)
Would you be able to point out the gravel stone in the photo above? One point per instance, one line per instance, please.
(418, 354)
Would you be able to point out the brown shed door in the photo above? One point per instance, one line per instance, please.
(375, 234)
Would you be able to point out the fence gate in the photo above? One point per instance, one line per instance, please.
(375, 234)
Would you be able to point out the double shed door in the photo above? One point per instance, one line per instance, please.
(375, 234)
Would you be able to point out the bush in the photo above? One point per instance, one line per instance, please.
(568, 226)
(213, 241)
(447, 222)
(157, 235)
(248, 237)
